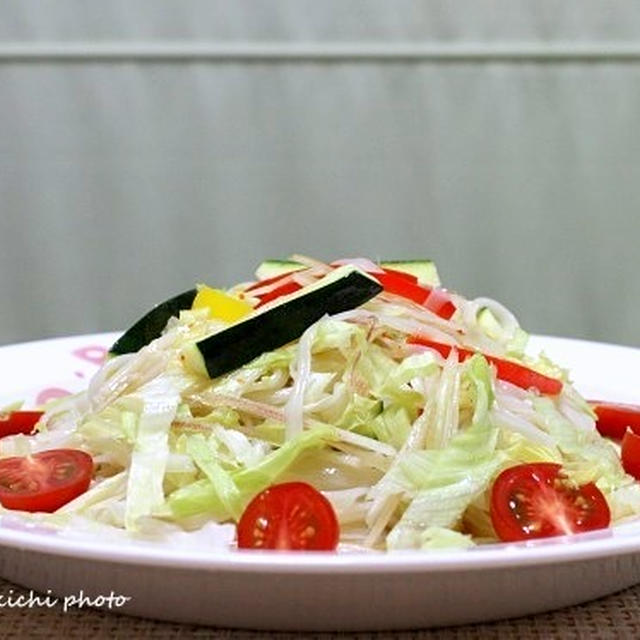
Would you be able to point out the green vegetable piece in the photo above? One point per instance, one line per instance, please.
(234, 347)
(151, 325)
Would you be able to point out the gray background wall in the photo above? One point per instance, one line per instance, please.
(148, 145)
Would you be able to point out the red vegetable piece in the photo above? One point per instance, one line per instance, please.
(440, 303)
(506, 370)
(267, 281)
(292, 516)
(406, 285)
(284, 289)
(630, 454)
(19, 422)
(401, 286)
(442, 348)
(44, 481)
(613, 418)
(524, 377)
(535, 500)
(399, 274)
(447, 310)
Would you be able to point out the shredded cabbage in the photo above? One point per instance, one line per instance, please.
(404, 442)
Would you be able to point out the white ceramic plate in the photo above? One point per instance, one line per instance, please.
(317, 591)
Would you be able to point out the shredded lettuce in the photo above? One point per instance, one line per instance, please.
(587, 457)
(204, 495)
(443, 482)
(151, 450)
(430, 539)
(393, 425)
(404, 443)
(220, 481)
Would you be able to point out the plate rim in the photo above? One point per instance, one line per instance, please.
(589, 546)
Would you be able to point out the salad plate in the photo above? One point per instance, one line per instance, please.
(210, 584)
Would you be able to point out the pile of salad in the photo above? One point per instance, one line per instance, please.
(322, 406)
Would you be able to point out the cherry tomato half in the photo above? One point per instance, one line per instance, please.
(614, 418)
(537, 501)
(292, 516)
(18, 422)
(630, 454)
(44, 481)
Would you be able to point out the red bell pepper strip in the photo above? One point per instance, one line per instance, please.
(446, 310)
(441, 347)
(401, 286)
(440, 303)
(399, 274)
(282, 290)
(396, 282)
(267, 281)
(506, 370)
(630, 454)
(406, 286)
(614, 418)
(18, 422)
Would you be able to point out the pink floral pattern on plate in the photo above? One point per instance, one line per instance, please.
(93, 354)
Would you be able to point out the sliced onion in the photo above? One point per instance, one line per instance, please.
(300, 372)
(577, 417)
(505, 318)
(518, 424)
(361, 263)
(251, 407)
(437, 299)
(258, 292)
(348, 504)
(366, 443)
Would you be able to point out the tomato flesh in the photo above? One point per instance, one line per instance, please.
(630, 454)
(44, 481)
(292, 516)
(19, 422)
(613, 418)
(530, 501)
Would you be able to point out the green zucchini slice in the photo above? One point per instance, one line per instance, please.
(273, 268)
(151, 325)
(341, 290)
(424, 270)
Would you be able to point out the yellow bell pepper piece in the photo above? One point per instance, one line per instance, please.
(221, 305)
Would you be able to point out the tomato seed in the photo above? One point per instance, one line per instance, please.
(309, 532)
